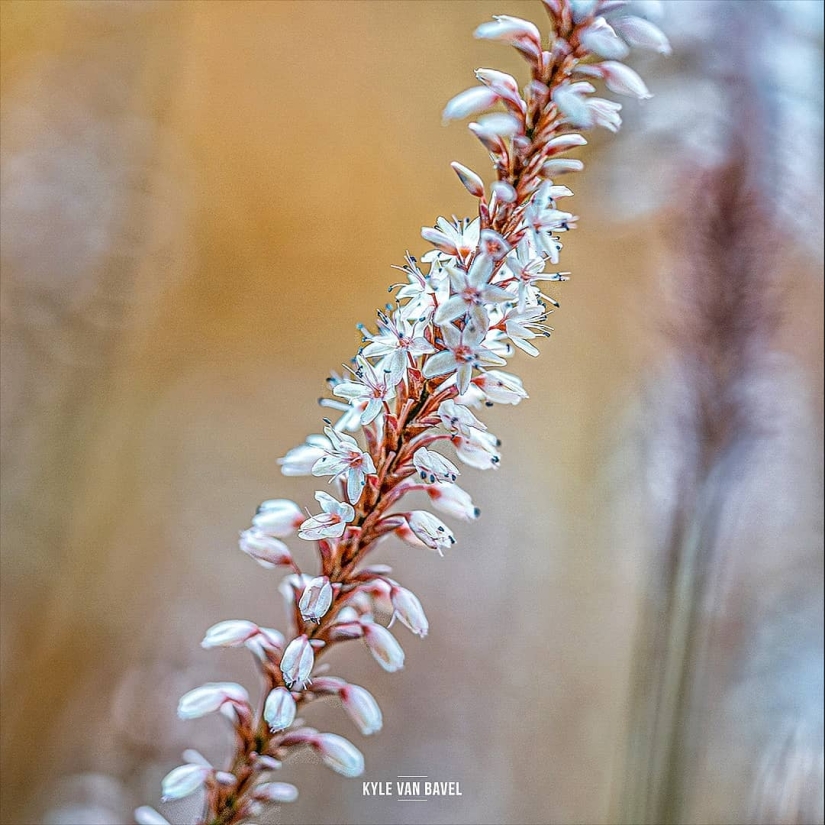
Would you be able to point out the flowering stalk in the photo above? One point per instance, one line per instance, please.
(467, 306)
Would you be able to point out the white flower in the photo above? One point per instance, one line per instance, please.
(345, 457)
(408, 610)
(463, 353)
(457, 418)
(434, 467)
(600, 39)
(316, 599)
(519, 33)
(460, 239)
(230, 633)
(371, 385)
(452, 500)
(471, 291)
(298, 661)
(267, 551)
(623, 80)
(431, 530)
(279, 709)
(642, 34)
(144, 815)
(525, 266)
(383, 646)
(300, 460)
(361, 708)
(470, 102)
(331, 523)
(278, 517)
(398, 340)
(183, 781)
(479, 449)
(279, 792)
(499, 387)
(265, 642)
(339, 754)
(522, 326)
(211, 697)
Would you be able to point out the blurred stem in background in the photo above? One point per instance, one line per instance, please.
(722, 329)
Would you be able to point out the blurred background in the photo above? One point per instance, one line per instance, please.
(199, 202)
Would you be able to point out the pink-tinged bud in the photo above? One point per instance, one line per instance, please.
(573, 106)
(267, 640)
(231, 633)
(623, 80)
(452, 500)
(491, 142)
(472, 182)
(564, 142)
(361, 708)
(479, 450)
(144, 815)
(470, 102)
(500, 125)
(279, 792)
(408, 610)
(279, 709)
(298, 661)
(344, 631)
(600, 39)
(267, 551)
(316, 599)
(339, 754)
(561, 166)
(504, 85)
(493, 245)
(328, 685)
(383, 646)
(227, 779)
(211, 697)
(439, 240)
(501, 387)
(268, 763)
(642, 34)
(520, 33)
(503, 191)
(183, 781)
(434, 467)
(278, 517)
(431, 530)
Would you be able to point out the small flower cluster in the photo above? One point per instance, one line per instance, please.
(467, 305)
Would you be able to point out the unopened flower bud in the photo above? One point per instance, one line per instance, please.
(408, 610)
(230, 633)
(278, 517)
(470, 102)
(431, 530)
(561, 166)
(275, 792)
(362, 708)
(267, 551)
(279, 709)
(183, 781)
(383, 646)
(298, 661)
(316, 599)
(144, 815)
(472, 182)
(339, 754)
(623, 80)
(211, 697)
(434, 467)
(642, 34)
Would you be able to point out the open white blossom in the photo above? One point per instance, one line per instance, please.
(345, 458)
(331, 523)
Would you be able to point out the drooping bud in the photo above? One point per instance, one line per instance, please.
(279, 709)
(642, 34)
(452, 500)
(564, 142)
(269, 552)
(338, 753)
(431, 530)
(600, 39)
(278, 517)
(470, 102)
(298, 661)
(433, 467)
(316, 599)
(275, 792)
(408, 610)
(439, 240)
(383, 646)
(183, 781)
(211, 697)
(362, 708)
(561, 166)
(230, 633)
(623, 80)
